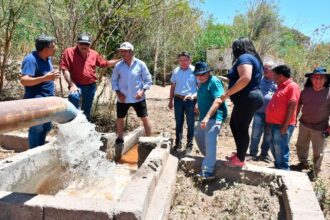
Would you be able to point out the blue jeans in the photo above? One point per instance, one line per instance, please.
(206, 140)
(86, 95)
(37, 134)
(280, 146)
(180, 108)
(260, 126)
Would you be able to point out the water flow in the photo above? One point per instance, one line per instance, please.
(91, 174)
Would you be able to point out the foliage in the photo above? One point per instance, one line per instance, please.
(212, 36)
(158, 29)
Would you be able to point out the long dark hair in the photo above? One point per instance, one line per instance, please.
(243, 45)
(309, 83)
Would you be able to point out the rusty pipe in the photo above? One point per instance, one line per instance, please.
(29, 112)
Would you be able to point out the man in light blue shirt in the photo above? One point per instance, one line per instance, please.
(183, 89)
(130, 79)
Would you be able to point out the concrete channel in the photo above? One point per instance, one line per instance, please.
(149, 193)
(298, 197)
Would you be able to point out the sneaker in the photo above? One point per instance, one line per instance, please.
(233, 154)
(266, 158)
(251, 157)
(300, 166)
(176, 147)
(311, 175)
(119, 141)
(234, 162)
(188, 149)
(204, 176)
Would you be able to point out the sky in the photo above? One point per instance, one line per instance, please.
(303, 15)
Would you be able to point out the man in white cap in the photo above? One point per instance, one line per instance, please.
(78, 65)
(130, 79)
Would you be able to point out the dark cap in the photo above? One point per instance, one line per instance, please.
(202, 68)
(318, 70)
(84, 38)
(45, 39)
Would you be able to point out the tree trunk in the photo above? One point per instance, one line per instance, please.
(156, 55)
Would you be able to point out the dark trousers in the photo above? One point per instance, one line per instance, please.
(182, 108)
(244, 108)
(86, 93)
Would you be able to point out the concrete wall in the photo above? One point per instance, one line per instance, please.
(151, 186)
(298, 196)
(22, 172)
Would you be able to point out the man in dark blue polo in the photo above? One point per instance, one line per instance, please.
(38, 77)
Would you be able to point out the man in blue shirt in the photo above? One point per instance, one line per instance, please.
(130, 79)
(268, 88)
(38, 78)
(207, 131)
(183, 88)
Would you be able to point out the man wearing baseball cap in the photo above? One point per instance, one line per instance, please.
(314, 104)
(130, 79)
(78, 65)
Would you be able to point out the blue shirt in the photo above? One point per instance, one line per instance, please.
(206, 94)
(257, 71)
(185, 81)
(130, 79)
(268, 88)
(34, 66)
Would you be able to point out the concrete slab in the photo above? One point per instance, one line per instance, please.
(162, 197)
(14, 141)
(137, 195)
(114, 152)
(12, 206)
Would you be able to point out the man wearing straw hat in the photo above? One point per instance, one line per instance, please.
(314, 104)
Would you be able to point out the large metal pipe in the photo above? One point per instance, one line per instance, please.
(29, 112)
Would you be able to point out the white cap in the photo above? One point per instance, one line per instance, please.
(126, 46)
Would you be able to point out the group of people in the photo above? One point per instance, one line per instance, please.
(262, 92)
(130, 79)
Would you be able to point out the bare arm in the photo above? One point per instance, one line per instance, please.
(67, 77)
(172, 89)
(113, 62)
(291, 108)
(223, 78)
(245, 74)
(27, 80)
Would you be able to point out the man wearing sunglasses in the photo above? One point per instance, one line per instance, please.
(78, 65)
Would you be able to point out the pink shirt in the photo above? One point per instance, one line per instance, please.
(277, 108)
(82, 70)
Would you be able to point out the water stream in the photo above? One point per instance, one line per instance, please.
(84, 170)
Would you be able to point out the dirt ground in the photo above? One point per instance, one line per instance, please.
(162, 120)
(219, 200)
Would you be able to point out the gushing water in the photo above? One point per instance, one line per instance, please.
(91, 174)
